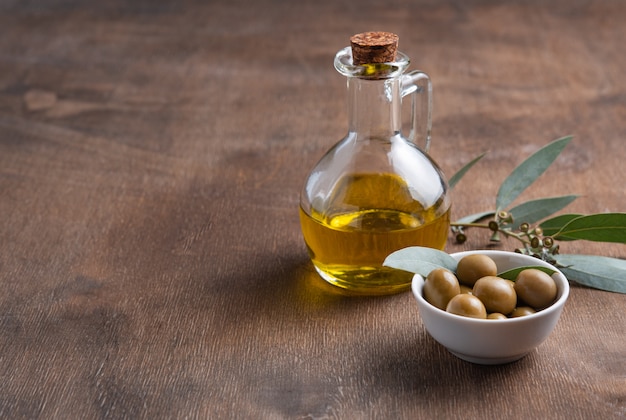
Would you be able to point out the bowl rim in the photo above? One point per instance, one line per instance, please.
(417, 285)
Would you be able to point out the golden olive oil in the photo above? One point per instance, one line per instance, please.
(368, 217)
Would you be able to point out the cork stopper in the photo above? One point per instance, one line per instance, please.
(374, 47)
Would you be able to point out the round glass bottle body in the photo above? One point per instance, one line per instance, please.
(375, 191)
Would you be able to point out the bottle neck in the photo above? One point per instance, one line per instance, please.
(374, 107)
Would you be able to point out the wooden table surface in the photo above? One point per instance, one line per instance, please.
(151, 161)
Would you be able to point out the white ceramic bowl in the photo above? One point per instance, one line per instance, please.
(487, 341)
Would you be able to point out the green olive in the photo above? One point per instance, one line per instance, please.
(440, 286)
(496, 294)
(522, 311)
(467, 305)
(496, 315)
(472, 267)
(465, 289)
(535, 288)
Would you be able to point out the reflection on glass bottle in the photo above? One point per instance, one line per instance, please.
(375, 191)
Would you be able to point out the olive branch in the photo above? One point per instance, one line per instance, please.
(539, 232)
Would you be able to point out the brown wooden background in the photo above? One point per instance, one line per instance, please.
(151, 158)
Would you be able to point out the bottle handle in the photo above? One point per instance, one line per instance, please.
(419, 85)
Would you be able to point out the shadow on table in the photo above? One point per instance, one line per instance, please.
(423, 366)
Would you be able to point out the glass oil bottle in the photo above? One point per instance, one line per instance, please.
(375, 191)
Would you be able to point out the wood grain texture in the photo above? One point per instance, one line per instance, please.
(151, 159)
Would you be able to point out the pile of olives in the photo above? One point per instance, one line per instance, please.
(476, 291)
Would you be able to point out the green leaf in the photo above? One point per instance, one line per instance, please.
(603, 227)
(528, 171)
(457, 176)
(420, 260)
(475, 217)
(604, 273)
(552, 226)
(512, 273)
(535, 210)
